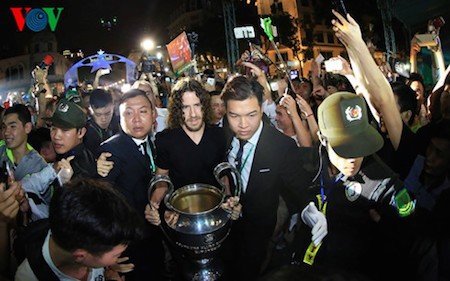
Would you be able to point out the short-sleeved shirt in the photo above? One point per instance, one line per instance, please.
(187, 161)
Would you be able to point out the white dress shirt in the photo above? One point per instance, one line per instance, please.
(247, 156)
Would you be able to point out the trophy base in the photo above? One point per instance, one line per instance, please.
(203, 270)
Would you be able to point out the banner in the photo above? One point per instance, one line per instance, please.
(180, 53)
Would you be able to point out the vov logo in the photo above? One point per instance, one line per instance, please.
(36, 19)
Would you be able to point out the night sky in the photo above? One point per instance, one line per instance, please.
(79, 25)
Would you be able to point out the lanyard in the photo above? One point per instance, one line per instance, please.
(323, 196)
(150, 154)
(246, 158)
(312, 249)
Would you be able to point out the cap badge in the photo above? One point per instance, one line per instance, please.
(63, 107)
(353, 113)
(353, 190)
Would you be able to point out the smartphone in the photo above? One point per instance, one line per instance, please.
(319, 59)
(274, 86)
(211, 81)
(293, 74)
(333, 65)
(339, 6)
(5, 171)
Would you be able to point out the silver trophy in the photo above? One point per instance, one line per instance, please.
(202, 225)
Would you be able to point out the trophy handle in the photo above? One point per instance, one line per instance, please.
(237, 176)
(152, 187)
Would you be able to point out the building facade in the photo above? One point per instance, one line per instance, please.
(15, 72)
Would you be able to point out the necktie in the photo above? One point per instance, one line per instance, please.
(238, 160)
(143, 148)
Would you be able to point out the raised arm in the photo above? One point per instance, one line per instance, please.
(379, 92)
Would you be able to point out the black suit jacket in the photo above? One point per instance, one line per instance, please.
(132, 172)
(131, 175)
(279, 168)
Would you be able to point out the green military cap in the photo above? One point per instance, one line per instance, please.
(68, 115)
(343, 120)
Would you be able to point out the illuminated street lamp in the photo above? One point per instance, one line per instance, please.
(147, 44)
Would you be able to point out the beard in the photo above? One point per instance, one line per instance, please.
(193, 128)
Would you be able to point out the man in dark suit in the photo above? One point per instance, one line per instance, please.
(271, 164)
(132, 154)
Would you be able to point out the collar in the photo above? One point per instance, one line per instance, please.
(9, 152)
(77, 150)
(138, 142)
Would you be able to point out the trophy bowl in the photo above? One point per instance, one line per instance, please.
(201, 224)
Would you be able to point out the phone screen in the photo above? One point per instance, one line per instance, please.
(210, 81)
(293, 74)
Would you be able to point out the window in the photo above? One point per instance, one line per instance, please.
(330, 38)
(327, 55)
(14, 73)
(319, 37)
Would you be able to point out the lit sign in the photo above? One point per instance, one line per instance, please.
(36, 19)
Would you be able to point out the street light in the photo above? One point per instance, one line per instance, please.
(147, 44)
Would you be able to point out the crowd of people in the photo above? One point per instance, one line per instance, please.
(345, 175)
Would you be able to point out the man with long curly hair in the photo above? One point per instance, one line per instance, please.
(189, 149)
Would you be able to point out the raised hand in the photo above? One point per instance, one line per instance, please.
(346, 29)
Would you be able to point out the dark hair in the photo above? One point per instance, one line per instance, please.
(440, 129)
(90, 214)
(22, 112)
(215, 93)
(132, 94)
(100, 98)
(339, 81)
(415, 77)
(299, 80)
(175, 106)
(241, 88)
(406, 99)
(38, 136)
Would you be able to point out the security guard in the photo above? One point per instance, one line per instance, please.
(359, 201)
